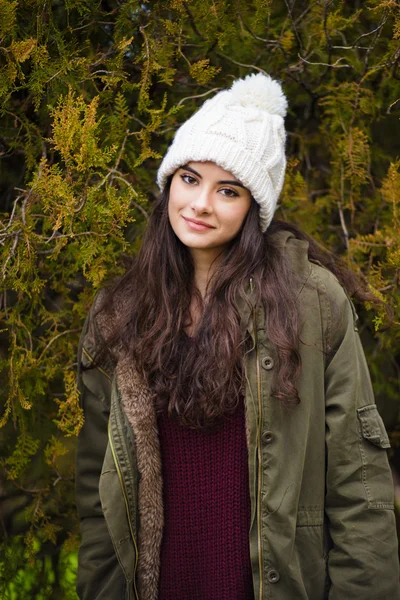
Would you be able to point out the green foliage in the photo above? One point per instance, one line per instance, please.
(91, 94)
(48, 576)
(202, 72)
(19, 460)
(75, 134)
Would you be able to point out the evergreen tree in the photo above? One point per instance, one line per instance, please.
(90, 96)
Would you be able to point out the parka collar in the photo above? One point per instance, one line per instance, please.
(297, 254)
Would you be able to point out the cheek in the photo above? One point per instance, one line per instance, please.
(176, 196)
(173, 202)
(234, 219)
(173, 214)
(176, 204)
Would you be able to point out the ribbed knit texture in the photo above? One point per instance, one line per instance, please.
(205, 547)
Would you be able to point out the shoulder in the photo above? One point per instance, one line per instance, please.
(318, 285)
(92, 336)
(296, 252)
(338, 313)
(306, 269)
(96, 331)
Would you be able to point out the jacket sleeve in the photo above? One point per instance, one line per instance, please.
(363, 560)
(100, 576)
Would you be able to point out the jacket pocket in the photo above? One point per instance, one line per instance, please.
(372, 427)
(373, 442)
(311, 552)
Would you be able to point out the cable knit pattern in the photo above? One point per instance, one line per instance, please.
(241, 130)
(205, 547)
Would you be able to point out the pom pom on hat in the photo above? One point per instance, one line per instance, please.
(261, 91)
(250, 143)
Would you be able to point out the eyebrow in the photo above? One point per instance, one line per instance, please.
(223, 182)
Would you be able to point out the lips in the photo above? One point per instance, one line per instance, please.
(198, 225)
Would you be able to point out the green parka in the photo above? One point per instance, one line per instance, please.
(322, 522)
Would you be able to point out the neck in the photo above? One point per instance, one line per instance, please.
(205, 263)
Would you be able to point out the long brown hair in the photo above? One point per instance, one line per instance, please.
(200, 378)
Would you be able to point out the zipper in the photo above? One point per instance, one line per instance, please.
(121, 481)
(259, 457)
(96, 366)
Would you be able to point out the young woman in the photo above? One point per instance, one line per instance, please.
(231, 448)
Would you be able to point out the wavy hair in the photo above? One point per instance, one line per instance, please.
(200, 378)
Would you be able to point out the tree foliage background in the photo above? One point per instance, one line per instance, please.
(90, 96)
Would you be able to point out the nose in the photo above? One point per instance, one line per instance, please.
(201, 203)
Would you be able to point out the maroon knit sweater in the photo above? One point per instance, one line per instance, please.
(205, 547)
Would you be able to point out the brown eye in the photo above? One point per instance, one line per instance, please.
(229, 193)
(188, 179)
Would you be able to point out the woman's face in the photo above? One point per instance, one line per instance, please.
(207, 206)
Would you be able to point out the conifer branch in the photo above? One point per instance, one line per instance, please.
(340, 204)
(257, 37)
(14, 208)
(368, 33)
(33, 491)
(192, 21)
(11, 253)
(62, 231)
(334, 65)
(53, 339)
(294, 25)
(235, 62)
(183, 100)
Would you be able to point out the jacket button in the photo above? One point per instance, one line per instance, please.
(267, 437)
(267, 363)
(273, 576)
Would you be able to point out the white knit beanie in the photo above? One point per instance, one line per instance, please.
(242, 131)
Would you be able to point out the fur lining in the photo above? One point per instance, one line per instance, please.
(141, 415)
(140, 412)
(139, 409)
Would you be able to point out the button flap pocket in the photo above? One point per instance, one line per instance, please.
(372, 427)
